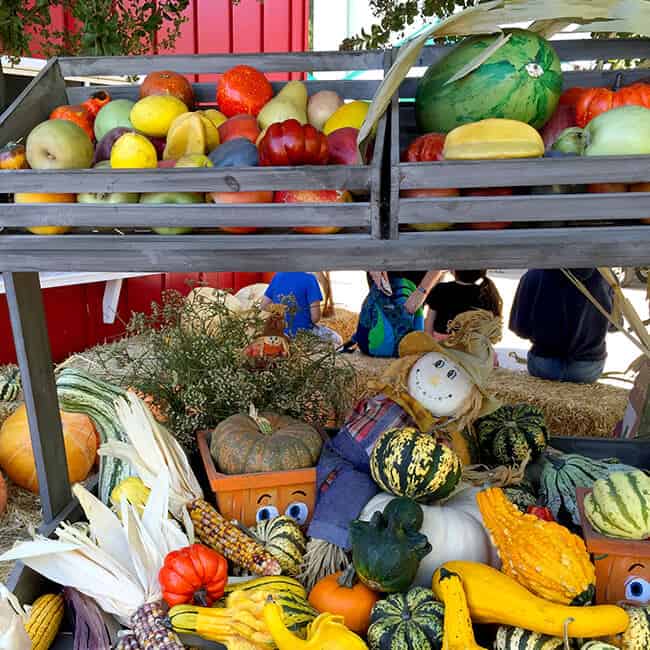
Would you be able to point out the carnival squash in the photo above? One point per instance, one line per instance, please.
(242, 444)
(541, 555)
(408, 621)
(409, 463)
(516, 638)
(284, 540)
(493, 597)
(276, 585)
(339, 594)
(637, 634)
(597, 645)
(17, 458)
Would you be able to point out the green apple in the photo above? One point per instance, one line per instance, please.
(172, 197)
(114, 114)
(59, 144)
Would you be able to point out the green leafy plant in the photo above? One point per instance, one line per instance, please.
(16, 18)
(200, 375)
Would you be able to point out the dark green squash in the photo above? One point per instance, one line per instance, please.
(386, 554)
(405, 512)
(510, 433)
(410, 621)
(522, 495)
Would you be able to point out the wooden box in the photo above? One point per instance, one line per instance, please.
(242, 496)
(622, 566)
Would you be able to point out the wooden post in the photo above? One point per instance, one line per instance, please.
(39, 389)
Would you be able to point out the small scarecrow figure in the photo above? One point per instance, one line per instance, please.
(273, 343)
(437, 387)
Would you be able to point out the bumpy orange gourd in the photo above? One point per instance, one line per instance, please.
(541, 555)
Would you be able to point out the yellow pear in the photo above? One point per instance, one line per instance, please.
(289, 103)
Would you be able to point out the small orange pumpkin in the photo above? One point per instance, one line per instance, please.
(17, 457)
(338, 594)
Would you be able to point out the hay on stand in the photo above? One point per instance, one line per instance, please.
(343, 322)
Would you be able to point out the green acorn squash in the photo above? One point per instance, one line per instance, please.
(408, 621)
(385, 553)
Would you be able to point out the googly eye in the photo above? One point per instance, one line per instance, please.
(638, 589)
(266, 512)
(452, 374)
(439, 363)
(298, 511)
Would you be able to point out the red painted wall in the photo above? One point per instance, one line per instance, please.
(74, 314)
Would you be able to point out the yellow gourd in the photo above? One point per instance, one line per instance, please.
(327, 632)
(541, 555)
(44, 620)
(458, 633)
(493, 597)
(493, 139)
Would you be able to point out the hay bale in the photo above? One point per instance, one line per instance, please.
(343, 322)
(581, 410)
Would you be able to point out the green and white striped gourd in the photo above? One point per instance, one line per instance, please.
(10, 385)
(79, 392)
(637, 635)
(516, 638)
(407, 621)
(283, 538)
(562, 474)
(619, 505)
(598, 645)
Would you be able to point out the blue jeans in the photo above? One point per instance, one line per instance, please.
(579, 372)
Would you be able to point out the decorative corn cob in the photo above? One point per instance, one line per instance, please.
(150, 629)
(217, 533)
(128, 642)
(44, 620)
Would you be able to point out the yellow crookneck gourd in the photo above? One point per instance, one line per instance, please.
(327, 632)
(458, 633)
(541, 555)
(493, 597)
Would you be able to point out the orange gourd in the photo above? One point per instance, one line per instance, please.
(592, 102)
(338, 594)
(78, 115)
(17, 458)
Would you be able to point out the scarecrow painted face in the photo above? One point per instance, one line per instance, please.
(440, 385)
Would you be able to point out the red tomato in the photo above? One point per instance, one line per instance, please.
(240, 126)
(243, 89)
(314, 196)
(291, 143)
(489, 191)
(540, 512)
(240, 197)
(426, 148)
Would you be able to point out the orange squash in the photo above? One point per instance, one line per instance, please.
(17, 458)
(338, 594)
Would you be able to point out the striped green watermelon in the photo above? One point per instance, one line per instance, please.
(521, 81)
(619, 506)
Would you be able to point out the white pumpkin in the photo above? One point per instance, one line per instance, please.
(439, 384)
(454, 529)
(252, 294)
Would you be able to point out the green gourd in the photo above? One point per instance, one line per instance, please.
(516, 638)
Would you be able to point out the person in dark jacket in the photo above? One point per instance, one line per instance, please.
(566, 330)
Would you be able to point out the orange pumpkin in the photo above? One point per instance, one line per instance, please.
(95, 103)
(338, 594)
(3, 494)
(78, 115)
(17, 458)
(592, 102)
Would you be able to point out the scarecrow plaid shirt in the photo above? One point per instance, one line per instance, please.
(343, 481)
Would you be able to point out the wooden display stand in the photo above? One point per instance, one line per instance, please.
(622, 566)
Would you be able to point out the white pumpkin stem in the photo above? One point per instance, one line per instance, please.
(348, 577)
(565, 634)
(262, 423)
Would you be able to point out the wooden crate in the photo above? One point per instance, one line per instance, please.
(132, 224)
(600, 228)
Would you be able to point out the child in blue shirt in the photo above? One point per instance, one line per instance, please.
(302, 295)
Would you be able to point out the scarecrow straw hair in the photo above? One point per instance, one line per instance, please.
(501, 476)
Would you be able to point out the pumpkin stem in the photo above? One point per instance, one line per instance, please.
(618, 82)
(201, 597)
(565, 635)
(348, 577)
(262, 423)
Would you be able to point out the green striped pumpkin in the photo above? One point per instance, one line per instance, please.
(522, 81)
(410, 621)
(408, 463)
(562, 474)
(515, 638)
(619, 505)
(506, 436)
(283, 538)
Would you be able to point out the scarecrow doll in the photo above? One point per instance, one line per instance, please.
(438, 387)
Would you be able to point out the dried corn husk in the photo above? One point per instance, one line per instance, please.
(115, 562)
(13, 635)
(153, 450)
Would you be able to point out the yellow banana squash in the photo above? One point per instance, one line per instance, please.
(493, 597)
(458, 633)
(327, 632)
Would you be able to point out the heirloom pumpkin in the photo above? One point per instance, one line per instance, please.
(243, 444)
(341, 594)
(17, 458)
(409, 621)
(283, 538)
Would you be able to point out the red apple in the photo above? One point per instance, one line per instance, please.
(343, 148)
(239, 197)
(166, 164)
(489, 191)
(240, 126)
(314, 196)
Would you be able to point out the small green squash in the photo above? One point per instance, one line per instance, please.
(283, 538)
(409, 463)
(407, 621)
(386, 553)
(521, 495)
(515, 638)
(597, 645)
(509, 434)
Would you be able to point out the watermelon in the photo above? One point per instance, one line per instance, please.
(521, 81)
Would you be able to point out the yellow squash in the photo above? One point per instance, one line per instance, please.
(458, 632)
(44, 620)
(493, 597)
(541, 555)
(493, 139)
